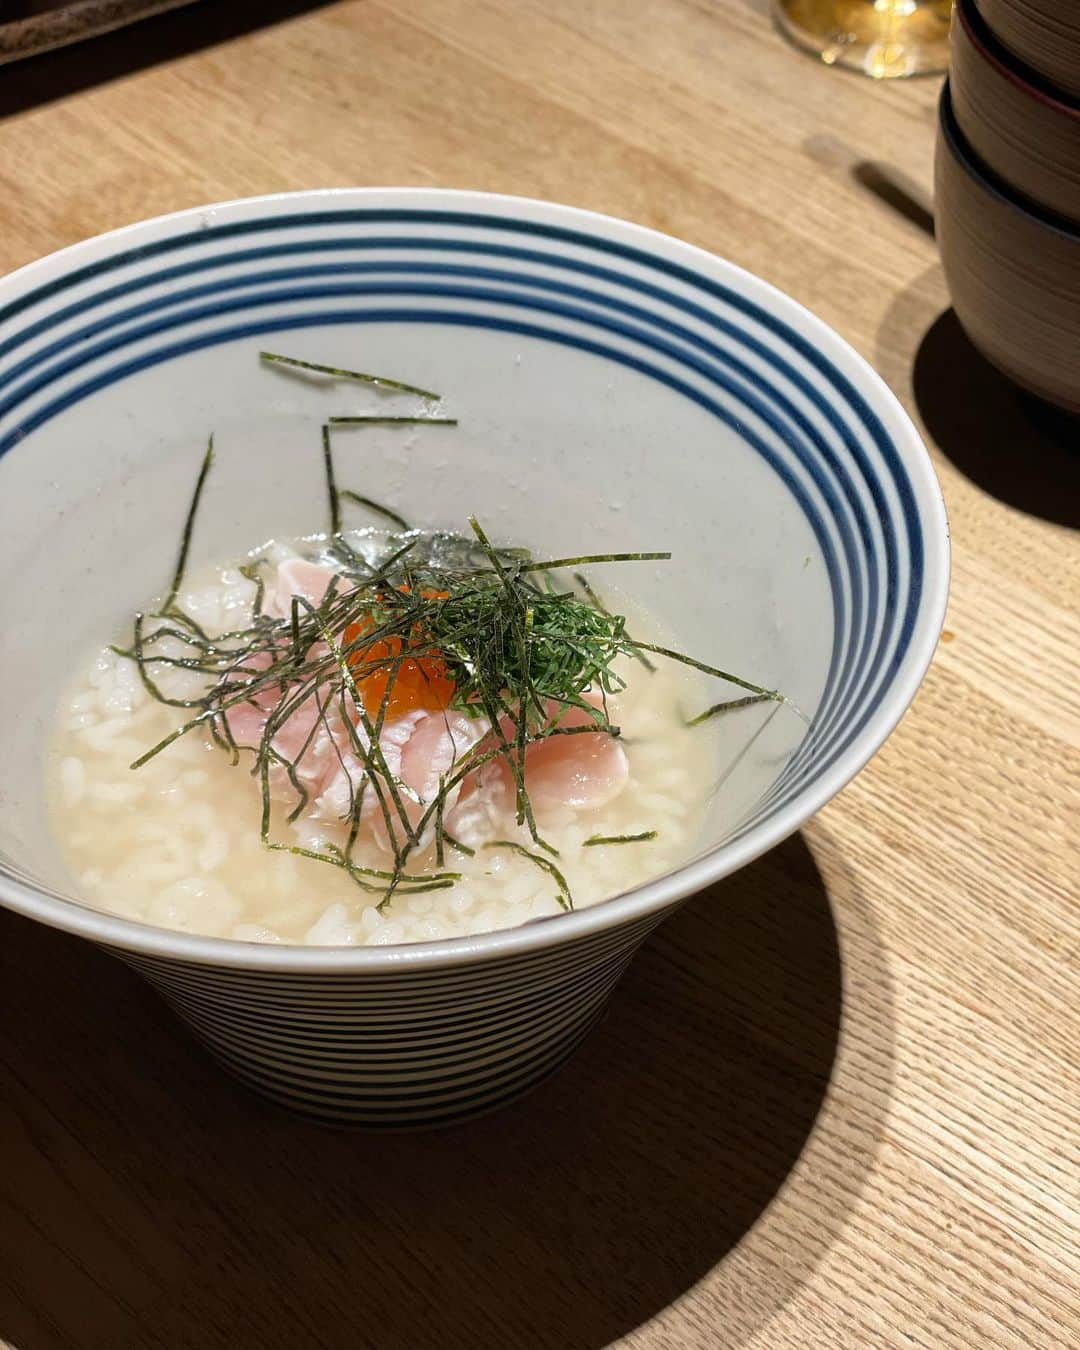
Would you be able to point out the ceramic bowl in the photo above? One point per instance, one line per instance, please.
(1022, 129)
(613, 385)
(1045, 34)
(1013, 271)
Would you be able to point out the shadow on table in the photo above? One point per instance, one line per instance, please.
(149, 1202)
(179, 32)
(896, 190)
(1012, 446)
(1020, 450)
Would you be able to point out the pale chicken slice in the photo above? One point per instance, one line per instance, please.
(297, 576)
(431, 752)
(306, 737)
(345, 769)
(420, 749)
(585, 770)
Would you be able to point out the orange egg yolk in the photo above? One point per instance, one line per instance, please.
(421, 683)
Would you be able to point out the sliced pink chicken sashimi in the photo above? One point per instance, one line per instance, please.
(297, 577)
(583, 770)
(422, 748)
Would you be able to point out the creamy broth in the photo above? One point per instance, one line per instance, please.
(176, 842)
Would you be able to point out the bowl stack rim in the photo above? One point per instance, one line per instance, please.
(962, 152)
(1012, 67)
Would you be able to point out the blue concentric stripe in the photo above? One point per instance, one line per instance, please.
(852, 556)
(377, 1100)
(442, 1060)
(835, 699)
(562, 234)
(414, 1044)
(394, 314)
(838, 688)
(380, 1012)
(349, 1109)
(280, 322)
(536, 229)
(76, 340)
(86, 353)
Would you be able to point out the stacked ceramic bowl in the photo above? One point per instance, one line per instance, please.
(1008, 188)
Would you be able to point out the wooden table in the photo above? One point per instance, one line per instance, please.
(835, 1101)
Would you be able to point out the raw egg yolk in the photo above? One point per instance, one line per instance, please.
(422, 682)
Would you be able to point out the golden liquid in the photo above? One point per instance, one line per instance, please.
(882, 38)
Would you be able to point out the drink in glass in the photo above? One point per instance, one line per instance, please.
(882, 38)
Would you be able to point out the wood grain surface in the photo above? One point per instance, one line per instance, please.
(835, 1102)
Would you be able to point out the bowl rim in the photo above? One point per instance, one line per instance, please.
(961, 151)
(1010, 66)
(640, 902)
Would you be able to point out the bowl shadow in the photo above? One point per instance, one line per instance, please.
(1022, 451)
(150, 1202)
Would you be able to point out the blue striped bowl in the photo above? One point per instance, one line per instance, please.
(614, 388)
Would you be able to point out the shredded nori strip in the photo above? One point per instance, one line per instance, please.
(515, 649)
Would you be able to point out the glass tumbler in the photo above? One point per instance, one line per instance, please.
(882, 38)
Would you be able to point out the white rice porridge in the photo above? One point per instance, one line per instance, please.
(176, 842)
